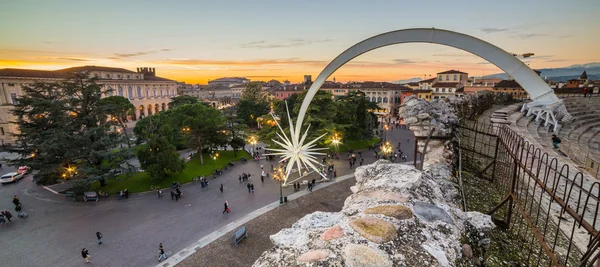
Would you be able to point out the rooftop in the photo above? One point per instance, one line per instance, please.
(452, 72)
(508, 84)
(63, 73)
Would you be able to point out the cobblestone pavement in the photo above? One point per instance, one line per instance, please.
(222, 252)
(57, 229)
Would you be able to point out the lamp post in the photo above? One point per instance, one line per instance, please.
(386, 148)
(253, 140)
(336, 141)
(386, 128)
(214, 156)
(279, 176)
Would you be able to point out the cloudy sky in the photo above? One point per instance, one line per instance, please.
(194, 41)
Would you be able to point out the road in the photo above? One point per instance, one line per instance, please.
(57, 229)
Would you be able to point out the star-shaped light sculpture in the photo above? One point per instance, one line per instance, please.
(296, 150)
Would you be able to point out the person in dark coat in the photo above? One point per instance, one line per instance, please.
(99, 236)
(16, 200)
(226, 207)
(86, 255)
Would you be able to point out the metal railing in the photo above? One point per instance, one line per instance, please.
(552, 210)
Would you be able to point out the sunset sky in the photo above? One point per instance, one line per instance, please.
(194, 41)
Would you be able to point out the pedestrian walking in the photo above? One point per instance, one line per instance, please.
(240, 178)
(252, 187)
(362, 160)
(248, 185)
(99, 236)
(20, 213)
(86, 255)
(16, 200)
(221, 188)
(161, 252)
(226, 207)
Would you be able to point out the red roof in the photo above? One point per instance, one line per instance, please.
(451, 72)
(508, 84)
(428, 80)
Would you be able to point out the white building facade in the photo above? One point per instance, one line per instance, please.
(148, 93)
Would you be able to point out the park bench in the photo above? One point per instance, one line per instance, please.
(239, 235)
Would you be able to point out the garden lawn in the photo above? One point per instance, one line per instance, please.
(356, 144)
(140, 182)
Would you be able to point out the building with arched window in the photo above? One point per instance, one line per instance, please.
(114, 81)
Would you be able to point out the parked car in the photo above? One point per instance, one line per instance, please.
(23, 169)
(10, 177)
(90, 196)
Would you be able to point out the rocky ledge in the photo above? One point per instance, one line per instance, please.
(396, 216)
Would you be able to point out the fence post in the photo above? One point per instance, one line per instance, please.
(495, 158)
(513, 183)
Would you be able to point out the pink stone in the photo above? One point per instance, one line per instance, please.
(332, 233)
(313, 255)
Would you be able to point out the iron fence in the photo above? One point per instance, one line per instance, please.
(551, 209)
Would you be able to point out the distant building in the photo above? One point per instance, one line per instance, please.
(228, 81)
(512, 87)
(286, 91)
(426, 84)
(338, 90)
(452, 76)
(475, 85)
(147, 92)
(425, 94)
(412, 85)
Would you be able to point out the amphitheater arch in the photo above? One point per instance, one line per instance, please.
(540, 92)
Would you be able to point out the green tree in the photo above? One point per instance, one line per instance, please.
(253, 104)
(118, 107)
(159, 156)
(64, 134)
(236, 130)
(353, 116)
(182, 100)
(203, 125)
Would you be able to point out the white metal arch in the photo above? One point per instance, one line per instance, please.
(540, 92)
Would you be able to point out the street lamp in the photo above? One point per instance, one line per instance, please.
(278, 175)
(386, 128)
(336, 140)
(253, 140)
(214, 156)
(386, 148)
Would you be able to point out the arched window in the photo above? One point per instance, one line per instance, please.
(130, 92)
(139, 91)
(161, 93)
(455, 77)
(440, 78)
(379, 99)
(385, 100)
(373, 99)
(111, 91)
(447, 77)
(120, 91)
(154, 92)
(147, 93)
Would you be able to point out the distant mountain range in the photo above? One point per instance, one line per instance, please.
(564, 73)
(555, 74)
(407, 81)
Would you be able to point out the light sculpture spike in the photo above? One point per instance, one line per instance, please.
(302, 155)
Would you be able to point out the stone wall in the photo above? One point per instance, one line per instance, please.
(396, 216)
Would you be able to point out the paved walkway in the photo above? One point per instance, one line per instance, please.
(57, 229)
